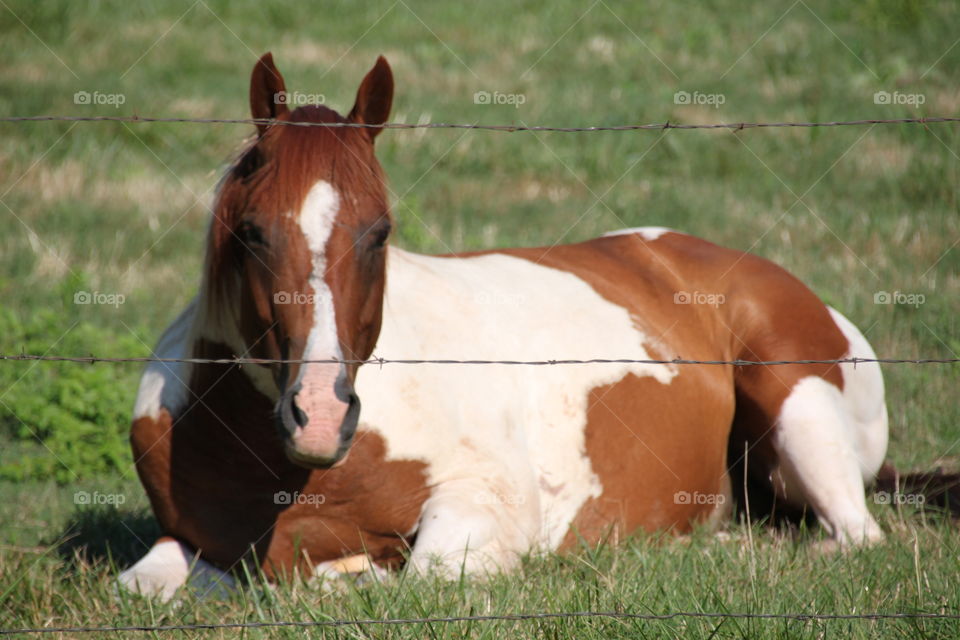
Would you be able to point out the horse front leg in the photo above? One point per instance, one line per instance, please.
(475, 527)
(170, 565)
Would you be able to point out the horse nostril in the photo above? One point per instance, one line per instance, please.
(298, 415)
(351, 419)
(289, 415)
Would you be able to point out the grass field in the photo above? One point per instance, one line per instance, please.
(121, 210)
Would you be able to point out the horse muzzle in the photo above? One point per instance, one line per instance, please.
(318, 424)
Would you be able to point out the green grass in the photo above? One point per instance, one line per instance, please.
(67, 579)
(122, 209)
(753, 570)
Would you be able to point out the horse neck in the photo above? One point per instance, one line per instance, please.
(215, 334)
(223, 406)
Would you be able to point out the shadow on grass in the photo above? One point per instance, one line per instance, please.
(107, 534)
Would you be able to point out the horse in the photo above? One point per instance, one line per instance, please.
(466, 468)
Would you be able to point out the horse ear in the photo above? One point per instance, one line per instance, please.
(374, 97)
(268, 94)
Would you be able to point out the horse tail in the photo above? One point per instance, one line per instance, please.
(935, 489)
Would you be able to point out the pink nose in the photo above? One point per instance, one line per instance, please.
(319, 417)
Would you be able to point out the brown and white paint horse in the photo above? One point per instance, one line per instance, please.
(470, 467)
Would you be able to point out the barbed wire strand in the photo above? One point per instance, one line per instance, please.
(446, 361)
(509, 128)
(798, 617)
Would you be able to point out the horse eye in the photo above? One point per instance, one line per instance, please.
(251, 235)
(379, 235)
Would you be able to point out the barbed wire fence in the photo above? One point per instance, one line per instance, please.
(560, 615)
(379, 361)
(508, 128)
(376, 361)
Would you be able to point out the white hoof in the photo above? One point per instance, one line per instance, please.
(170, 565)
(332, 574)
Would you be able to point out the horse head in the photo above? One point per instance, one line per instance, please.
(296, 258)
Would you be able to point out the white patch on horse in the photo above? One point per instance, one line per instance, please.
(648, 233)
(165, 384)
(170, 565)
(819, 463)
(863, 395)
(832, 443)
(504, 444)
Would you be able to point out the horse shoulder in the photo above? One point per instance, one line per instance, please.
(165, 385)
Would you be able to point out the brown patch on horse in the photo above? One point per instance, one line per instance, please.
(647, 441)
(213, 481)
(656, 474)
(767, 314)
(213, 471)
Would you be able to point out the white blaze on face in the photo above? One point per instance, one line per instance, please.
(317, 398)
